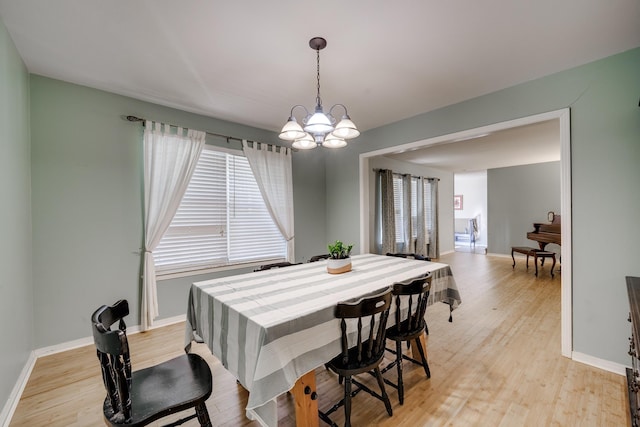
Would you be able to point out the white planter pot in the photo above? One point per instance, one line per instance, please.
(337, 266)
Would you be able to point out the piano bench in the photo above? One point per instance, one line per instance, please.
(522, 250)
(535, 253)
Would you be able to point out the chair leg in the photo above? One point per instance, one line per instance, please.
(203, 415)
(385, 396)
(425, 364)
(399, 368)
(347, 401)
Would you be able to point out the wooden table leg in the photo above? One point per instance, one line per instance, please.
(306, 400)
(414, 351)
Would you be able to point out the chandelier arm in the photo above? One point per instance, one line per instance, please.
(338, 105)
(306, 112)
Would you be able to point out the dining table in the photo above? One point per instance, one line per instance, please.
(271, 329)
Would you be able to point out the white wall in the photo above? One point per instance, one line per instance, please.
(473, 187)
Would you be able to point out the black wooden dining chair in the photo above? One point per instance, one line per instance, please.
(410, 256)
(410, 324)
(274, 265)
(141, 397)
(319, 257)
(362, 349)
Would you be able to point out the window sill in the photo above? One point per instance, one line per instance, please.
(209, 270)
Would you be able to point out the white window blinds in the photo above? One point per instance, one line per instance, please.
(222, 219)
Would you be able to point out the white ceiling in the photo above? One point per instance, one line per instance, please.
(249, 61)
(522, 145)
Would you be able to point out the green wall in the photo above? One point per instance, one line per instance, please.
(87, 203)
(16, 288)
(605, 152)
(517, 197)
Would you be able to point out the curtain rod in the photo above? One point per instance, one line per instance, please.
(227, 137)
(413, 176)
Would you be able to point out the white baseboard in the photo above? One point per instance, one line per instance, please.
(16, 393)
(502, 255)
(59, 348)
(70, 345)
(606, 365)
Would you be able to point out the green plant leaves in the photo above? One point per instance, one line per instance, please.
(339, 250)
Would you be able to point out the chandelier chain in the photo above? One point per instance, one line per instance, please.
(318, 100)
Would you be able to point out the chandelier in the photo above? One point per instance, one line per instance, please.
(319, 128)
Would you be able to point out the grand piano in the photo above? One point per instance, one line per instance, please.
(545, 233)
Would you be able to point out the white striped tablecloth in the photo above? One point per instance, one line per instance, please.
(271, 327)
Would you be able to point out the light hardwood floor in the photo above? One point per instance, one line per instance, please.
(497, 364)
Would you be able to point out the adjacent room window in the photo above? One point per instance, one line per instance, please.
(402, 217)
(418, 212)
(222, 219)
(398, 206)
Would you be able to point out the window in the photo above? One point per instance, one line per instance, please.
(222, 219)
(430, 205)
(414, 207)
(398, 207)
(400, 217)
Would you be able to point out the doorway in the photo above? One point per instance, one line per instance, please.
(563, 120)
(470, 212)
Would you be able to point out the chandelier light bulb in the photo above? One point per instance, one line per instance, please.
(346, 128)
(318, 123)
(305, 143)
(332, 141)
(292, 130)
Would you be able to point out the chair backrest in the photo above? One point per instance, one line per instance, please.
(274, 265)
(371, 312)
(416, 294)
(319, 257)
(113, 353)
(414, 256)
(399, 255)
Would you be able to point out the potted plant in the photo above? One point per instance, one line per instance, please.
(339, 260)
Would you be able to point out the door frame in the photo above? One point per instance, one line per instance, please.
(564, 118)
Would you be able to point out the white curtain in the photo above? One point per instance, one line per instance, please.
(272, 170)
(169, 162)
